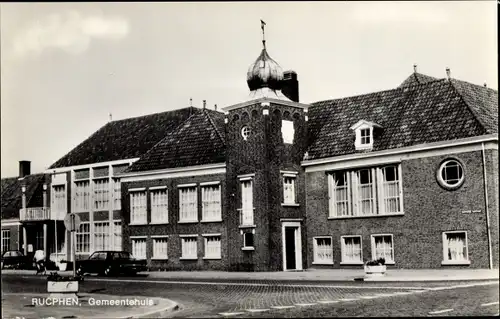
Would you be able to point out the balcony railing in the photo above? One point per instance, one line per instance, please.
(39, 213)
(246, 217)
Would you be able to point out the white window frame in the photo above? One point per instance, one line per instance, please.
(344, 260)
(359, 145)
(245, 246)
(138, 206)
(217, 255)
(247, 206)
(59, 199)
(381, 183)
(186, 215)
(163, 239)
(447, 261)
(290, 198)
(82, 195)
(316, 260)
(84, 234)
(117, 243)
(374, 251)
(137, 239)
(117, 193)
(183, 251)
(98, 232)
(444, 183)
(356, 190)
(5, 240)
(101, 198)
(159, 204)
(332, 192)
(211, 205)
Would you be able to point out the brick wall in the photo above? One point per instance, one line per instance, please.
(428, 211)
(173, 229)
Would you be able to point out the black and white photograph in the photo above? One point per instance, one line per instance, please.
(258, 159)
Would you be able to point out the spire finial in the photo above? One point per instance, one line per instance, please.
(191, 102)
(262, 24)
(415, 68)
(448, 72)
(110, 117)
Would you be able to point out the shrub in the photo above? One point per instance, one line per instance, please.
(54, 276)
(376, 262)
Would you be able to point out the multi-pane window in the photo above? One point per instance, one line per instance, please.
(323, 250)
(351, 249)
(248, 240)
(212, 247)
(390, 190)
(246, 202)
(58, 198)
(117, 235)
(117, 194)
(5, 240)
(159, 206)
(160, 246)
(101, 194)
(451, 174)
(211, 202)
(455, 247)
(366, 192)
(289, 189)
(101, 236)
(138, 207)
(82, 196)
(189, 247)
(382, 247)
(83, 238)
(188, 204)
(339, 194)
(365, 136)
(139, 248)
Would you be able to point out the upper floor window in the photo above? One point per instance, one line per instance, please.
(364, 134)
(159, 205)
(366, 192)
(58, 198)
(101, 194)
(188, 203)
(138, 207)
(82, 196)
(211, 202)
(117, 194)
(450, 174)
(245, 132)
(289, 180)
(246, 211)
(287, 131)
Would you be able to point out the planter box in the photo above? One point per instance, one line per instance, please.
(62, 289)
(62, 266)
(375, 270)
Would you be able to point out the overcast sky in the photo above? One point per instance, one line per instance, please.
(65, 67)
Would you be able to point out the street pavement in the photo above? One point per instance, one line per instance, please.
(285, 298)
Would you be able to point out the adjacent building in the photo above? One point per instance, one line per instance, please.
(409, 174)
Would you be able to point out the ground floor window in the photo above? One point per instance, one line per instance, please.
(323, 250)
(189, 247)
(117, 235)
(455, 247)
(139, 248)
(212, 247)
(83, 238)
(351, 249)
(248, 240)
(382, 247)
(101, 236)
(5, 240)
(160, 246)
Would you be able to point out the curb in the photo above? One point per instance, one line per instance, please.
(422, 279)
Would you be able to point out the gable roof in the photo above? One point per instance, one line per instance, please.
(200, 140)
(124, 139)
(419, 113)
(417, 78)
(11, 194)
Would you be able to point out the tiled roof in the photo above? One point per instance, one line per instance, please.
(123, 139)
(417, 78)
(409, 115)
(197, 141)
(12, 194)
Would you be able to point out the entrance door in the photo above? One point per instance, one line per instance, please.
(290, 247)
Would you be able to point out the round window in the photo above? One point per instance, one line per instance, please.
(245, 132)
(451, 174)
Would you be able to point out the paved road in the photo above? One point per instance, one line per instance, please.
(292, 299)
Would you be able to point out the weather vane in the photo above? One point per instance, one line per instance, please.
(262, 24)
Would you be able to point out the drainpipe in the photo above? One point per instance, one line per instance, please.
(486, 208)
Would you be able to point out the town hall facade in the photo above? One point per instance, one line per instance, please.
(409, 174)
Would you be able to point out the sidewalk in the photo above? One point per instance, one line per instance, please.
(316, 275)
(88, 306)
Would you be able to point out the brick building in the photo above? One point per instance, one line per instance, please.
(409, 174)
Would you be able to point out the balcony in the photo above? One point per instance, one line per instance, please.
(246, 217)
(39, 214)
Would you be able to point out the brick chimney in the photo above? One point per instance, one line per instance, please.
(290, 86)
(24, 168)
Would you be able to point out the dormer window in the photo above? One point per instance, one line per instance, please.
(364, 134)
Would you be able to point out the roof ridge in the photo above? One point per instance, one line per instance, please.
(146, 115)
(471, 109)
(215, 127)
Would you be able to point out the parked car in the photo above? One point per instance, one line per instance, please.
(15, 259)
(110, 263)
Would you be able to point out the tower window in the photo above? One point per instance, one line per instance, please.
(287, 131)
(245, 132)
